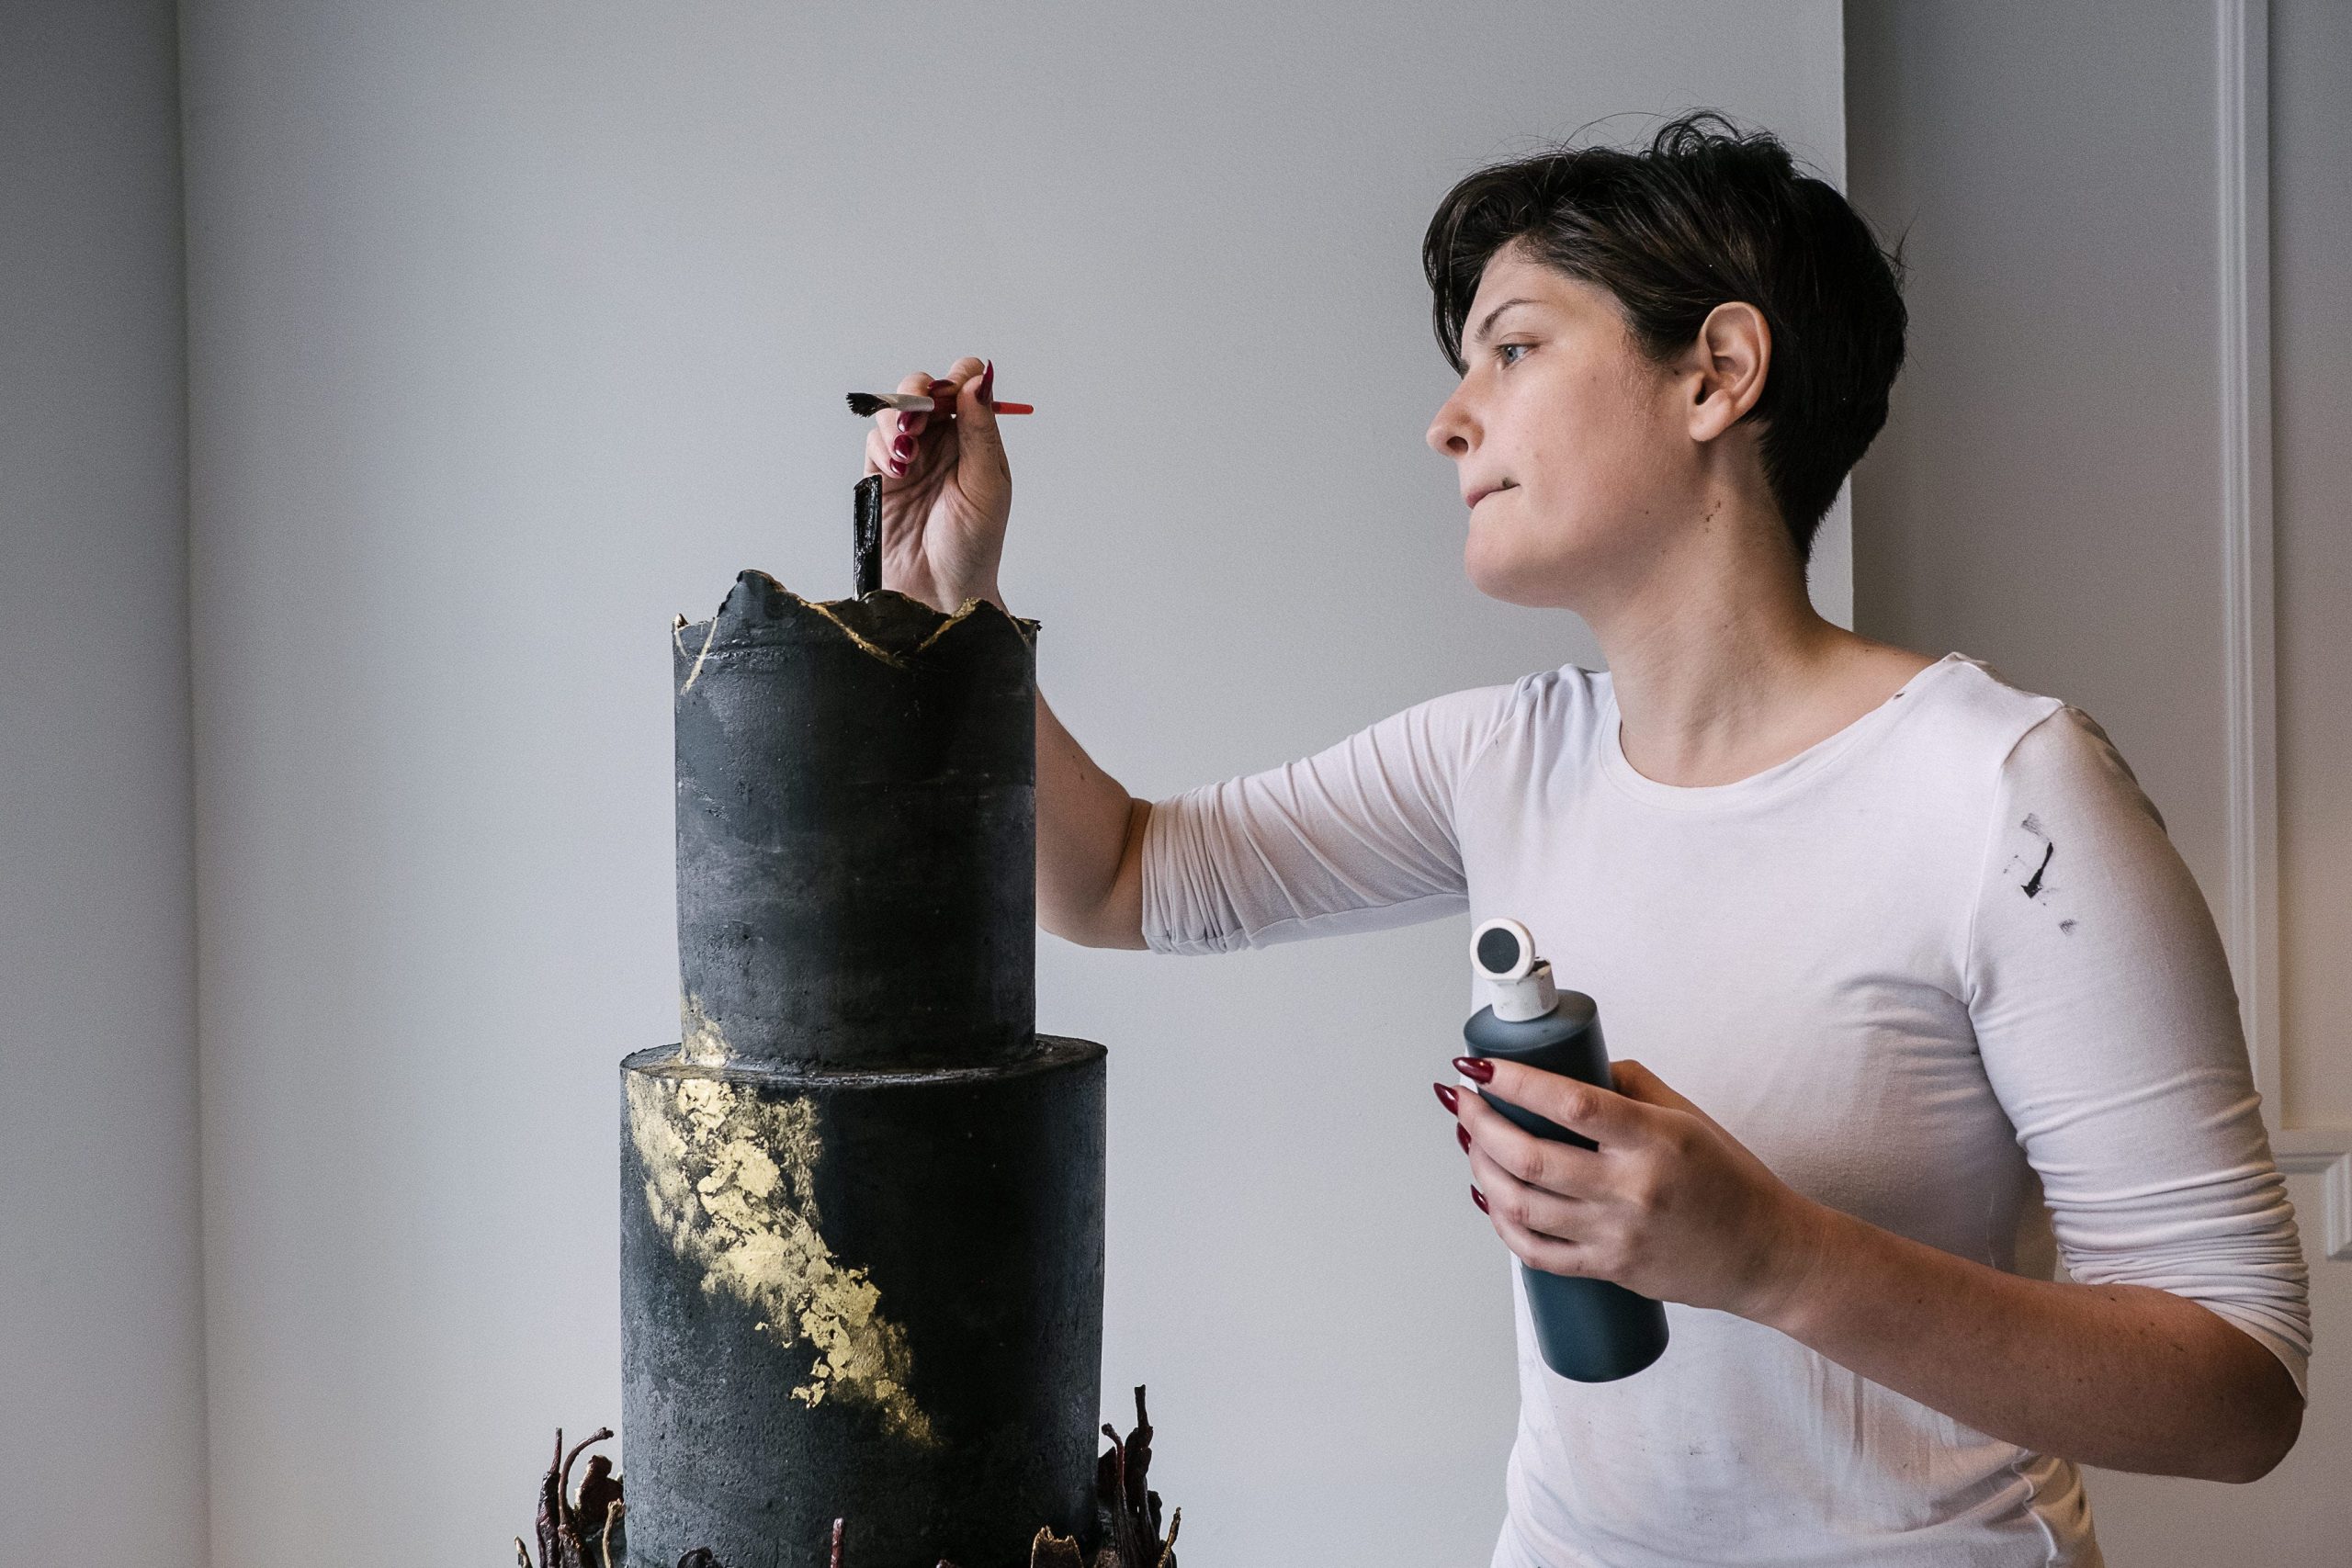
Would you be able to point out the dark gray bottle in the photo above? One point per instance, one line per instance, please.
(1589, 1330)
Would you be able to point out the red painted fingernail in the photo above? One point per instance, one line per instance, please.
(1477, 1069)
(1480, 1199)
(1462, 1136)
(1445, 1098)
(987, 383)
(903, 446)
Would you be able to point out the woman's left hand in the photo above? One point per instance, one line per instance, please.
(1670, 1205)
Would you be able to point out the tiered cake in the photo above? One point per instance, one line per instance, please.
(862, 1199)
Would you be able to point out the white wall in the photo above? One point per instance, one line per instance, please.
(2051, 494)
(102, 1416)
(517, 327)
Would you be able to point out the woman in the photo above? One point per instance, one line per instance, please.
(1905, 952)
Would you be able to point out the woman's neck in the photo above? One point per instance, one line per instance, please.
(1721, 666)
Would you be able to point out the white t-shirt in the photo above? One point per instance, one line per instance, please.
(1939, 957)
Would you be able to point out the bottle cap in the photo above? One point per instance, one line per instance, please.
(1519, 984)
(1516, 1001)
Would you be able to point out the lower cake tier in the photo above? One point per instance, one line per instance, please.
(865, 1294)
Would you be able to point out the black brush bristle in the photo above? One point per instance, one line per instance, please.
(865, 405)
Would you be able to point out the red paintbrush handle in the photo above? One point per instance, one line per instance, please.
(939, 389)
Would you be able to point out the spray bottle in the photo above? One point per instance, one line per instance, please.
(1589, 1330)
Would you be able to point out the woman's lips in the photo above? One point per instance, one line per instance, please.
(1479, 495)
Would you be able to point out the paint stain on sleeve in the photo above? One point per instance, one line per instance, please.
(2033, 867)
(2032, 885)
(2028, 869)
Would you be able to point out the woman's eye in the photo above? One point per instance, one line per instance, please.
(1506, 352)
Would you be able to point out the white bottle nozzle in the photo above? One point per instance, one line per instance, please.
(1519, 984)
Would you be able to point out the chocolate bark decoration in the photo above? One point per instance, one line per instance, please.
(1126, 1509)
(588, 1535)
(1127, 1513)
(862, 1199)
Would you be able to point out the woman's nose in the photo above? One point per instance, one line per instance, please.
(1453, 433)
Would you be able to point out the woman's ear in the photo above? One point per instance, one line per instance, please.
(1731, 356)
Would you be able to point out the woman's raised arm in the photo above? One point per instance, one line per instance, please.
(946, 496)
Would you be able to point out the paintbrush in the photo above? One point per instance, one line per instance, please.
(866, 514)
(865, 405)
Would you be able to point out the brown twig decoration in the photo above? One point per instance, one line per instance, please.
(1126, 1513)
(1126, 1508)
(564, 1541)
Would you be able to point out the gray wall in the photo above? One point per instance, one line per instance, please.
(517, 327)
(2048, 495)
(102, 1420)
(2044, 494)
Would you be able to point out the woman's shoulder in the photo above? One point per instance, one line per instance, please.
(1545, 710)
(1990, 734)
(1531, 721)
(1556, 703)
(1569, 695)
(1974, 712)
(1539, 696)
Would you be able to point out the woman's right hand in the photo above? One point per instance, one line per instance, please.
(946, 490)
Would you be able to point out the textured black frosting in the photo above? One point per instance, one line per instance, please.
(857, 831)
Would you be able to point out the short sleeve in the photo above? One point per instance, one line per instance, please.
(2108, 1028)
(1359, 837)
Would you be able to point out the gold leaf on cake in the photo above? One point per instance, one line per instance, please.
(700, 1040)
(730, 1185)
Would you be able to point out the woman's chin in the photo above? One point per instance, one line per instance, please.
(1511, 581)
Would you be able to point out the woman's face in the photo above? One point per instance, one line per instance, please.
(1571, 447)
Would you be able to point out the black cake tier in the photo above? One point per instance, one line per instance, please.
(857, 831)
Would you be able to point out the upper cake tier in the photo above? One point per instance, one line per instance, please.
(856, 831)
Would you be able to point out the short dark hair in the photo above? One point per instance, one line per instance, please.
(1705, 215)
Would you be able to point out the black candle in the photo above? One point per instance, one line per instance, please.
(865, 525)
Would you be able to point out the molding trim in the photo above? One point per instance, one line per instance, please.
(2250, 905)
(2250, 901)
(2321, 1152)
